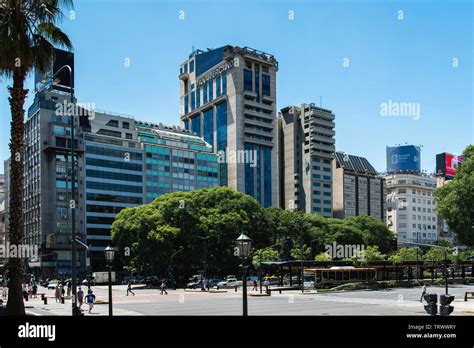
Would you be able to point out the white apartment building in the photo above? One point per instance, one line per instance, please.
(411, 207)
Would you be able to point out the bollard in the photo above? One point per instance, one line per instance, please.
(42, 297)
(236, 289)
(45, 300)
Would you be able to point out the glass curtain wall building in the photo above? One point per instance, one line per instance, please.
(228, 97)
(175, 160)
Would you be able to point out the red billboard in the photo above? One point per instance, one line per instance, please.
(447, 164)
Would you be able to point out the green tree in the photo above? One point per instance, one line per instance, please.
(406, 254)
(435, 256)
(374, 232)
(322, 257)
(183, 219)
(455, 200)
(28, 33)
(264, 255)
(368, 255)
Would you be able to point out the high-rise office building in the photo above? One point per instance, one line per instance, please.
(112, 177)
(357, 188)
(307, 148)
(228, 97)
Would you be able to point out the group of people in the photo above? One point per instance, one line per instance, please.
(29, 290)
(60, 291)
(162, 287)
(266, 284)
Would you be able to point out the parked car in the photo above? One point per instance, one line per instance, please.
(194, 284)
(229, 283)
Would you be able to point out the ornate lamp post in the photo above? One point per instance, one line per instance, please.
(244, 245)
(109, 257)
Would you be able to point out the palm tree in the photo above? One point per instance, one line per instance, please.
(28, 35)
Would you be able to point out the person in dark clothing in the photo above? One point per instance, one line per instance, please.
(129, 288)
(35, 290)
(254, 288)
(163, 288)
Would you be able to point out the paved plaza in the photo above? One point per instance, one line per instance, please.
(194, 302)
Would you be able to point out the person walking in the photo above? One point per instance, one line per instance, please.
(163, 288)
(423, 292)
(57, 294)
(35, 290)
(90, 299)
(80, 297)
(129, 288)
(69, 288)
(266, 284)
(255, 287)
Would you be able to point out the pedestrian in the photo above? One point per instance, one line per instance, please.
(35, 290)
(90, 298)
(80, 297)
(255, 288)
(57, 293)
(129, 288)
(24, 290)
(266, 283)
(63, 292)
(69, 288)
(163, 288)
(423, 292)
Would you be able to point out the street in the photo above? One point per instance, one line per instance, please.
(194, 302)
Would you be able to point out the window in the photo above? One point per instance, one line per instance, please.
(218, 86)
(265, 84)
(126, 125)
(198, 97)
(211, 93)
(128, 135)
(112, 123)
(248, 80)
(224, 83)
(191, 66)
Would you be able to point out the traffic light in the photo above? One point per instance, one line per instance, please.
(444, 307)
(431, 307)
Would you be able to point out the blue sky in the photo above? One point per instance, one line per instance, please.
(408, 60)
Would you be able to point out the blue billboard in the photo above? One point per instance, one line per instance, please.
(404, 158)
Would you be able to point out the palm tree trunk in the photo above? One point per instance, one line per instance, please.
(15, 305)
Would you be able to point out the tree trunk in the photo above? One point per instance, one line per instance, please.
(15, 305)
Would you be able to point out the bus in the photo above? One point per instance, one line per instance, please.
(338, 275)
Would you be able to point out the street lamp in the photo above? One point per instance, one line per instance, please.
(205, 259)
(46, 84)
(109, 257)
(244, 244)
(170, 268)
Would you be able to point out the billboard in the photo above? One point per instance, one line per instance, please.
(447, 163)
(404, 158)
(61, 58)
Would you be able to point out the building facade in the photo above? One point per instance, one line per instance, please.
(411, 207)
(112, 178)
(357, 188)
(307, 149)
(228, 97)
(176, 160)
(120, 163)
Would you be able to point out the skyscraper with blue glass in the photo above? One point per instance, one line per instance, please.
(228, 97)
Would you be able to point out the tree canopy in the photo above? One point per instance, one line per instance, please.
(207, 222)
(455, 200)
